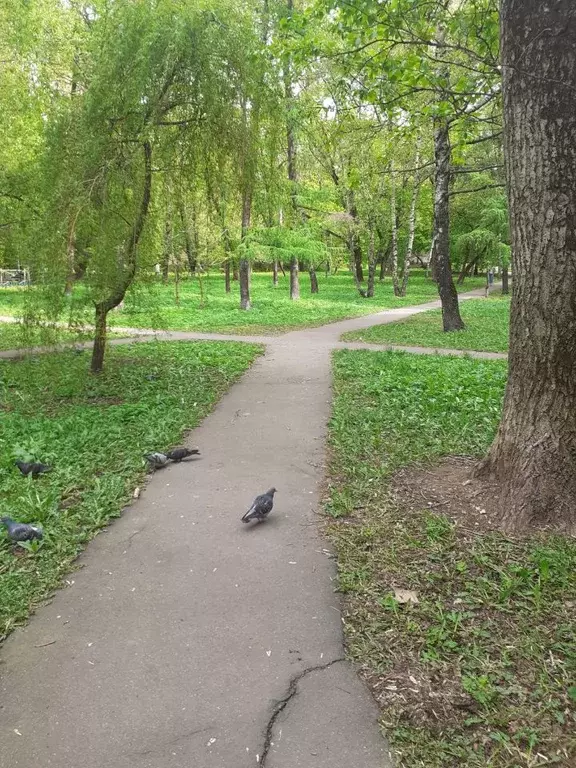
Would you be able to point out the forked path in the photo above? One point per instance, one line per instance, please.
(189, 640)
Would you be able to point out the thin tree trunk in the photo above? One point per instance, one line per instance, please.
(244, 271)
(131, 250)
(357, 249)
(383, 260)
(227, 275)
(442, 269)
(191, 255)
(394, 222)
(99, 348)
(313, 280)
(533, 457)
(291, 158)
(353, 270)
(505, 286)
(275, 273)
(165, 263)
(294, 280)
(467, 267)
(71, 257)
(371, 264)
(411, 222)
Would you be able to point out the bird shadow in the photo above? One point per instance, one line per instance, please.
(270, 522)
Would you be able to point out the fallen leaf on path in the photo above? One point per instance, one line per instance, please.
(404, 596)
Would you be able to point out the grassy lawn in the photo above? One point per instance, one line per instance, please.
(481, 672)
(272, 311)
(487, 325)
(94, 432)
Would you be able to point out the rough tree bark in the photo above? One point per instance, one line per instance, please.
(440, 259)
(441, 267)
(533, 457)
(131, 251)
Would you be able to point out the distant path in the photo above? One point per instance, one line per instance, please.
(188, 640)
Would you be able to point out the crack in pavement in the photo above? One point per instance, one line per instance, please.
(283, 703)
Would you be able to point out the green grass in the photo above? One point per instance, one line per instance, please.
(272, 311)
(487, 326)
(493, 638)
(94, 431)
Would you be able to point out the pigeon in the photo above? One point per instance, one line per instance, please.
(157, 460)
(21, 531)
(177, 454)
(261, 507)
(33, 468)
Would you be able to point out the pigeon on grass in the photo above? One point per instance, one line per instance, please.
(21, 531)
(33, 468)
(261, 507)
(177, 454)
(157, 460)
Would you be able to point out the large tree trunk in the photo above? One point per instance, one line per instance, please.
(442, 270)
(131, 252)
(294, 279)
(505, 286)
(533, 457)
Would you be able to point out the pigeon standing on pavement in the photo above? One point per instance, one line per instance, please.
(157, 460)
(33, 468)
(261, 507)
(21, 531)
(177, 454)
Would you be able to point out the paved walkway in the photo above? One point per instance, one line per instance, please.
(188, 640)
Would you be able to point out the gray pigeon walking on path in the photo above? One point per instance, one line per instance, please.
(21, 531)
(33, 468)
(261, 507)
(157, 460)
(177, 454)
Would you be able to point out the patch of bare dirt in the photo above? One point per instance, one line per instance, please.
(449, 489)
(422, 699)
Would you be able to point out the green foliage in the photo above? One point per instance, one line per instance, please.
(464, 677)
(94, 431)
(283, 244)
(487, 327)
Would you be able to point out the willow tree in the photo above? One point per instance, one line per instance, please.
(533, 458)
(157, 77)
